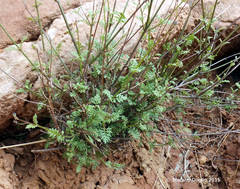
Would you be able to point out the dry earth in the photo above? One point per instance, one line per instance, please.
(209, 162)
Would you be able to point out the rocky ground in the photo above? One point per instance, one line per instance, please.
(178, 160)
(209, 161)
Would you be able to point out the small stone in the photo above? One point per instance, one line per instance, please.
(203, 159)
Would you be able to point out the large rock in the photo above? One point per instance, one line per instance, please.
(227, 12)
(227, 19)
(8, 179)
(57, 31)
(15, 69)
(14, 15)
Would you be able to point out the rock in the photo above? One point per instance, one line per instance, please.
(15, 69)
(8, 177)
(119, 182)
(227, 12)
(88, 185)
(228, 18)
(58, 31)
(203, 159)
(119, 186)
(14, 15)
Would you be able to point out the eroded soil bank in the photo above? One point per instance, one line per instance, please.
(208, 161)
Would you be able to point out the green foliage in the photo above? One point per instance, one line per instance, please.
(110, 94)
